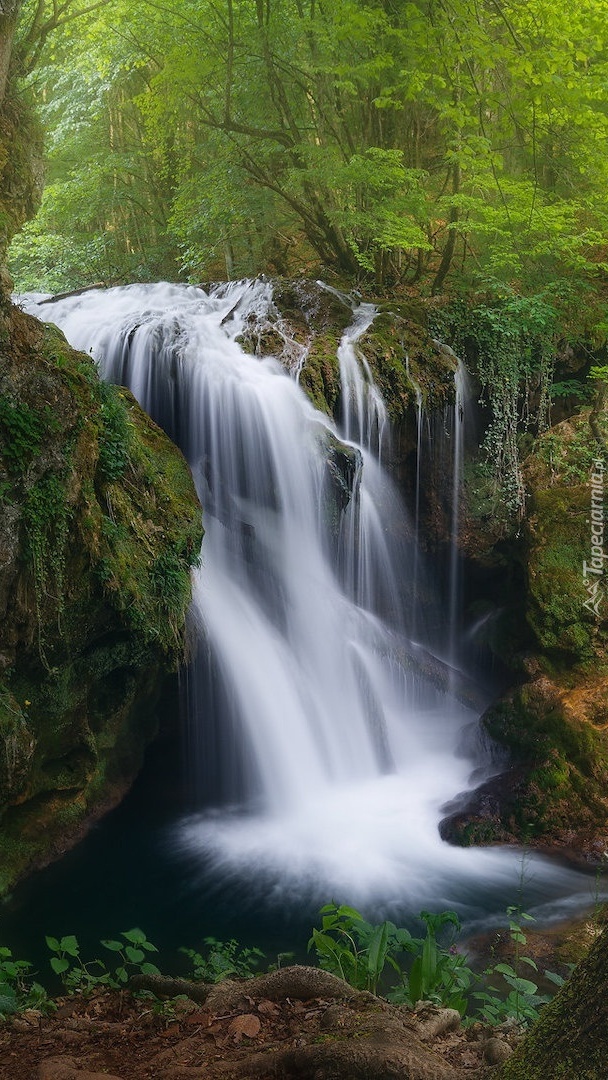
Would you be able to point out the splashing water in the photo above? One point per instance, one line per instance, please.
(322, 746)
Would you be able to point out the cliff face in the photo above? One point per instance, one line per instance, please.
(99, 527)
(555, 724)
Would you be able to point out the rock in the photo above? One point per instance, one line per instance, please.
(495, 1051)
(65, 1068)
(100, 525)
(434, 1021)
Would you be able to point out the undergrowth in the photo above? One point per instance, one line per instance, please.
(384, 959)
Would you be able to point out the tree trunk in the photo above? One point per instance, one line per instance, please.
(570, 1040)
(448, 251)
(9, 10)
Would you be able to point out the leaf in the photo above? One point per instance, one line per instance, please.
(377, 951)
(52, 943)
(248, 1024)
(429, 963)
(8, 1003)
(268, 1008)
(149, 969)
(114, 946)
(69, 945)
(529, 961)
(553, 977)
(415, 981)
(522, 986)
(135, 955)
(59, 964)
(505, 969)
(135, 936)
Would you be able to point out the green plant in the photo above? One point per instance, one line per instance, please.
(224, 958)
(18, 989)
(439, 972)
(522, 1001)
(78, 975)
(360, 952)
(46, 517)
(22, 430)
(114, 432)
(354, 949)
(510, 342)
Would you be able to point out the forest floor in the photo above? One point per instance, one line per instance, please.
(296, 1022)
(116, 1036)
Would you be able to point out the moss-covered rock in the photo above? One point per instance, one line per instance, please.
(99, 528)
(555, 725)
(306, 329)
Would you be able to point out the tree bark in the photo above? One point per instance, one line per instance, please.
(570, 1040)
(9, 10)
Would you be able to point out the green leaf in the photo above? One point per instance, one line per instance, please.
(113, 946)
(505, 969)
(69, 945)
(529, 961)
(59, 964)
(149, 969)
(522, 986)
(376, 956)
(135, 936)
(135, 955)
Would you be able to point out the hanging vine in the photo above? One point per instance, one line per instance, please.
(511, 345)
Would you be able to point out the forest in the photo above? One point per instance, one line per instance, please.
(382, 680)
(442, 144)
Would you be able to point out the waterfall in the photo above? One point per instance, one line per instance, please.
(323, 741)
(461, 395)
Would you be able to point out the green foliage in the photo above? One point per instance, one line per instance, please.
(22, 431)
(78, 976)
(114, 436)
(46, 517)
(361, 953)
(511, 344)
(570, 388)
(367, 956)
(18, 989)
(398, 142)
(522, 1001)
(224, 959)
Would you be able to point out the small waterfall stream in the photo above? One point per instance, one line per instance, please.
(323, 746)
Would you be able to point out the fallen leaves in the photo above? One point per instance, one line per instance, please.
(248, 1024)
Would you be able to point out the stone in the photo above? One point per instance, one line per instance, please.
(495, 1051)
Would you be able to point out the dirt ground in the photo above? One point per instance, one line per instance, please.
(116, 1036)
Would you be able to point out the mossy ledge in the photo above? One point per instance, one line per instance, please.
(99, 529)
(306, 328)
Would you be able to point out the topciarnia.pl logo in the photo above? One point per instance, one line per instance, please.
(594, 569)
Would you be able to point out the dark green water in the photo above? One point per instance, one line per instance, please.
(126, 873)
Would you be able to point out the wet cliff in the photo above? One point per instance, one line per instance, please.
(99, 528)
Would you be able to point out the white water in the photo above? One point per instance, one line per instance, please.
(327, 754)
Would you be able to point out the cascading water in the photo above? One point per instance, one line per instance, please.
(323, 752)
(462, 394)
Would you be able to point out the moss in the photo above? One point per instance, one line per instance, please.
(563, 784)
(101, 527)
(320, 375)
(20, 174)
